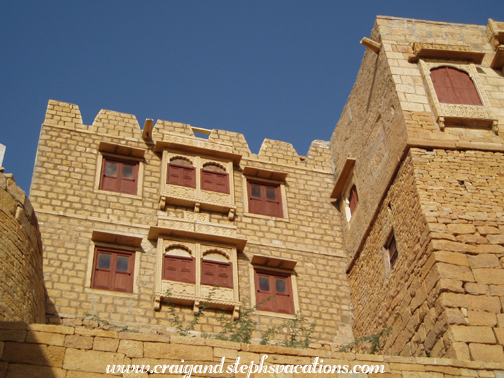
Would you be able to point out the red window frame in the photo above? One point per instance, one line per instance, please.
(179, 268)
(281, 302)
(113, 277)
(259, 203)
(215, 181)
(392, 251)
(453, 86)
(118, 183)
(353, 199)
(217, 273)
(181, 175)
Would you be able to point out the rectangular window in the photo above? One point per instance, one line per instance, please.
(119, 176)
(274, 292)
(181, 175)
(215, 181)
(392, 250)
(264, 199)
(113, 270)
(216, 273)
(179, 268)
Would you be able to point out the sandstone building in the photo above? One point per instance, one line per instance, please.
(397, 222)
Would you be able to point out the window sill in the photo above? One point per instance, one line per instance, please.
(275, 314)
(267, 217)
(110, 292)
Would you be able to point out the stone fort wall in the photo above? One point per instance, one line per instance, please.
(22, 296)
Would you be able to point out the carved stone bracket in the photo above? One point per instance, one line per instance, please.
(231, 214)
(157, 302)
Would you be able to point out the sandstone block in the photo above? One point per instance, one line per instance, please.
(52, 328)
(79, 342)
(174, 351)
(496, 239)
(461, 228)
(131, 348)
(105, 344)
(489, 353)
(95, 332)
(455, 272)
(489, 276)
(18, 335)
(92, 361)
(484, 261)
(471, 334)
(451, 258)
(33, 371)
(499, 333)
(485, 230)
(483, 318)
(34, 354)
(47, 338)
(476, 289)
(13, 325)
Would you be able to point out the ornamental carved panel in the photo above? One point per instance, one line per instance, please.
(218, 294)
(178, 288)
(460, 114)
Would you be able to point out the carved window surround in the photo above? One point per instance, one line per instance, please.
(131, 243)
(495, 33)
(260, 175)
(274, 265)
(199, 153)
(195, 293)
(445, 113)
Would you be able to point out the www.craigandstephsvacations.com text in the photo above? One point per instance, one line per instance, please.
(317, 367)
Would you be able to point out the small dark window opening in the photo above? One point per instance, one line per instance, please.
(353, 199)
(392, 251)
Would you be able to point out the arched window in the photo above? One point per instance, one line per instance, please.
(214, 178)
(216, 269)
(181, 172)
(454, 87)
(179, 265)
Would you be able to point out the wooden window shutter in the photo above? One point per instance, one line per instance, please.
(277, 285)
(179, 268)
(265, 199)
(215, 181)
(113, 270)
(119, 176)
(181, 175)
(353, 199)
(217, 273)
(454, 87)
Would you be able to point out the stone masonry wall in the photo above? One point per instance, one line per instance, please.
(444, 297)
(70, 208)
(22, 296)
(49, 351)
(371, 130)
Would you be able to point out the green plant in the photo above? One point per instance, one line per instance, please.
(374, 339)
(299, 332)
(239, 330)
(106, 323)
(175, 318)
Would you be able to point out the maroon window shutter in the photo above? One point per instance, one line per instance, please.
(454, 87)
(183, 176)
(216, 273)
(215, 181)
(113, 270)
(265, 199)
(119, 176)
(354, 199)
(179, 268)
(129, 176)
(277, 285)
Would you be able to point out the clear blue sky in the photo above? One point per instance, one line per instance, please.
(268, 69)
